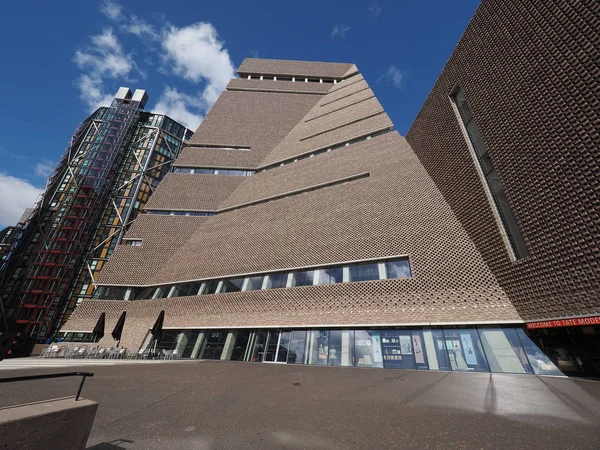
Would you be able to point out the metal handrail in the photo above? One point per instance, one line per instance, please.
(52, 375)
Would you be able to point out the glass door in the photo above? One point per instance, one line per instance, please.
(276, 350)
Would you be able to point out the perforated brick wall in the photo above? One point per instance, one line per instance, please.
(530, 71)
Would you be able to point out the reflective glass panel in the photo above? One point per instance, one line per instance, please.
(277, 280)
(435, 349)
(539, 360)
(214, 343)
(254, 283)
(398, 269)
(318, 347)
(303, 278)
(257, 344)
(396, 346)
(232, 285)
(367, 348)
(464, 350)
(239, 342)
(419, 349)
(210, 287)
(341, 348)
(503, 350)
(331, 275)
(284, 344)
(364, 272)
(297, 347)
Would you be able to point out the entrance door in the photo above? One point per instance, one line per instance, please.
(276, 350)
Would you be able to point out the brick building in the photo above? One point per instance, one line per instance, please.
(298, 227)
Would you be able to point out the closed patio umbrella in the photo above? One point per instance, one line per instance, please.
(157, 329)
(98, 332)
(118, 330)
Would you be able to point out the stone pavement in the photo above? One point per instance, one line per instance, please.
(228, 405)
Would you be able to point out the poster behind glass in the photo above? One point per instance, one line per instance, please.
(367, 348)
(464, 350)
(396, 346)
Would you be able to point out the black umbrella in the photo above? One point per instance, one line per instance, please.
(157, 329)
(98, 332)
(116, 333)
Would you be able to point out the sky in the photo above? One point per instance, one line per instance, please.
(61, 60)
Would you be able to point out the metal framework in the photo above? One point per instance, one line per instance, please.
(67, 226)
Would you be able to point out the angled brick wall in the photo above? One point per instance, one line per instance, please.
(530, 72)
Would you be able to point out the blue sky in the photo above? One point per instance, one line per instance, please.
(60, 60)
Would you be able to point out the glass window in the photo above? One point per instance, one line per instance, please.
(419, 349)
(254, 283)
(399, 268)
(364, 272)
(210, 287)
(539, 360)
(318, 347)
(276, 280)
(186, 289)
(232, 285)
(397, 349)
(204, 171)
(297, 347)
(503, 350)
(257, 345)
(303, 278)
(239, 343)
(161, 292)
(183, 170)
(284, 345)
(434, 347)
(491, 178)
(341, 348)
(213, 345)
(331, 275)
(464, 350)
(367, 348)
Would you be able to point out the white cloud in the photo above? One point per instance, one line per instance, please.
(198, 55)
(44, 169)
(340, 31)
(393, 76)
(375, 10)
(105, 58)
(180, 106)
(16, 194)
(139, 27)
(111, 9)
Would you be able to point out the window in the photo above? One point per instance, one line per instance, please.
(331, 275)
(276, 280)
(232, 285)
(210, 287)
(364, 272)
(303, 278)
(491, 178)
(184, 290)
(254, 283)
(399, 268)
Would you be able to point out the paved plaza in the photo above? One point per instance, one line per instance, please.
(228, 405)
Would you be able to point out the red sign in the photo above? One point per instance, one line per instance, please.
(578, 322)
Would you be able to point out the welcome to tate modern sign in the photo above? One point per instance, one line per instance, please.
(578, 322)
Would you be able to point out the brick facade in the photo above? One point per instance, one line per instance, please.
(519, 64)
(529, 71)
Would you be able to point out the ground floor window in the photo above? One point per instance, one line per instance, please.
(476, 349)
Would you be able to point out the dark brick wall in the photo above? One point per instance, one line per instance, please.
(530, 71)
